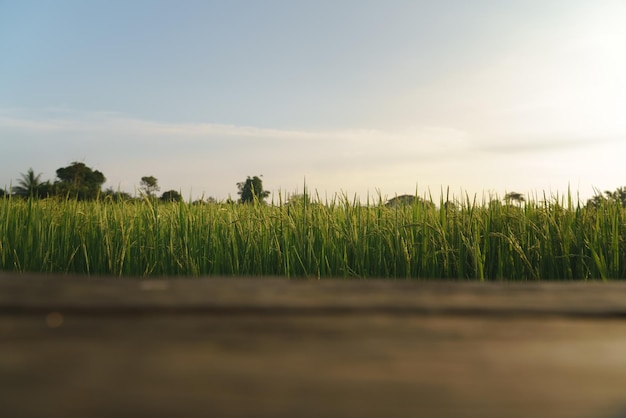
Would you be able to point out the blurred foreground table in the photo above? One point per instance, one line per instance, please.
(259, 347)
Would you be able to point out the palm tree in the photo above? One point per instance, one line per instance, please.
(514, 197)
(619, 195)
(29, 184)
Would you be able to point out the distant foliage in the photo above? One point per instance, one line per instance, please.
(617, 196)
(299, 199)
(149, 185)
(28, 185)
(171, 196)
(116, 195)
(407, 200)
(251, 190)
(79, 181)
(514, 197)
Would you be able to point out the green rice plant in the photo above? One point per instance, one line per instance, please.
(552, 239)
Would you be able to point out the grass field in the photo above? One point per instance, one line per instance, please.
(488, 240)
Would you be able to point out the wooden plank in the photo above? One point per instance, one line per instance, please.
(100, 347)
(89, 294)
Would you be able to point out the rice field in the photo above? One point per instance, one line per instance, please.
(468, 240)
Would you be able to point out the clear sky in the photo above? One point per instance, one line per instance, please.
(352, 96)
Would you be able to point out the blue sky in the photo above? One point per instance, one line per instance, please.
(353, 96)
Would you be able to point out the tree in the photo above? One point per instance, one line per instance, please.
(46, 189)
(402, 200)
(299, 200)
(619, 195)
(251, 190)
(79, 181)
(208, 201)
(149, 185)
(117, 196)
(408, 200)
(171, 196)
(29, 184)
(514, 197)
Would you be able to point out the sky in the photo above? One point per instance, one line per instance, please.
(358, 97)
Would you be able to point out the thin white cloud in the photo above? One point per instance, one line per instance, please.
(210, 159)
(194, 155)
(108, 125)
(55, 120)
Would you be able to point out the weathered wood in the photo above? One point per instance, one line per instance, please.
(100, 347)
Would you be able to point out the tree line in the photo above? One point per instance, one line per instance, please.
(78, 181)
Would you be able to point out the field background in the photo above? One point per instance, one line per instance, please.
(488, 240)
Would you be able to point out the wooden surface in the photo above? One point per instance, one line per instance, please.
(102, 347)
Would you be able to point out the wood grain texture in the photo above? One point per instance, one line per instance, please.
(259, 347)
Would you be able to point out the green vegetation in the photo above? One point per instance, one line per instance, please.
(74, 181)
(489, 240)
(71, 226)
(149, 185)
(78, 181)
(251, 190)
